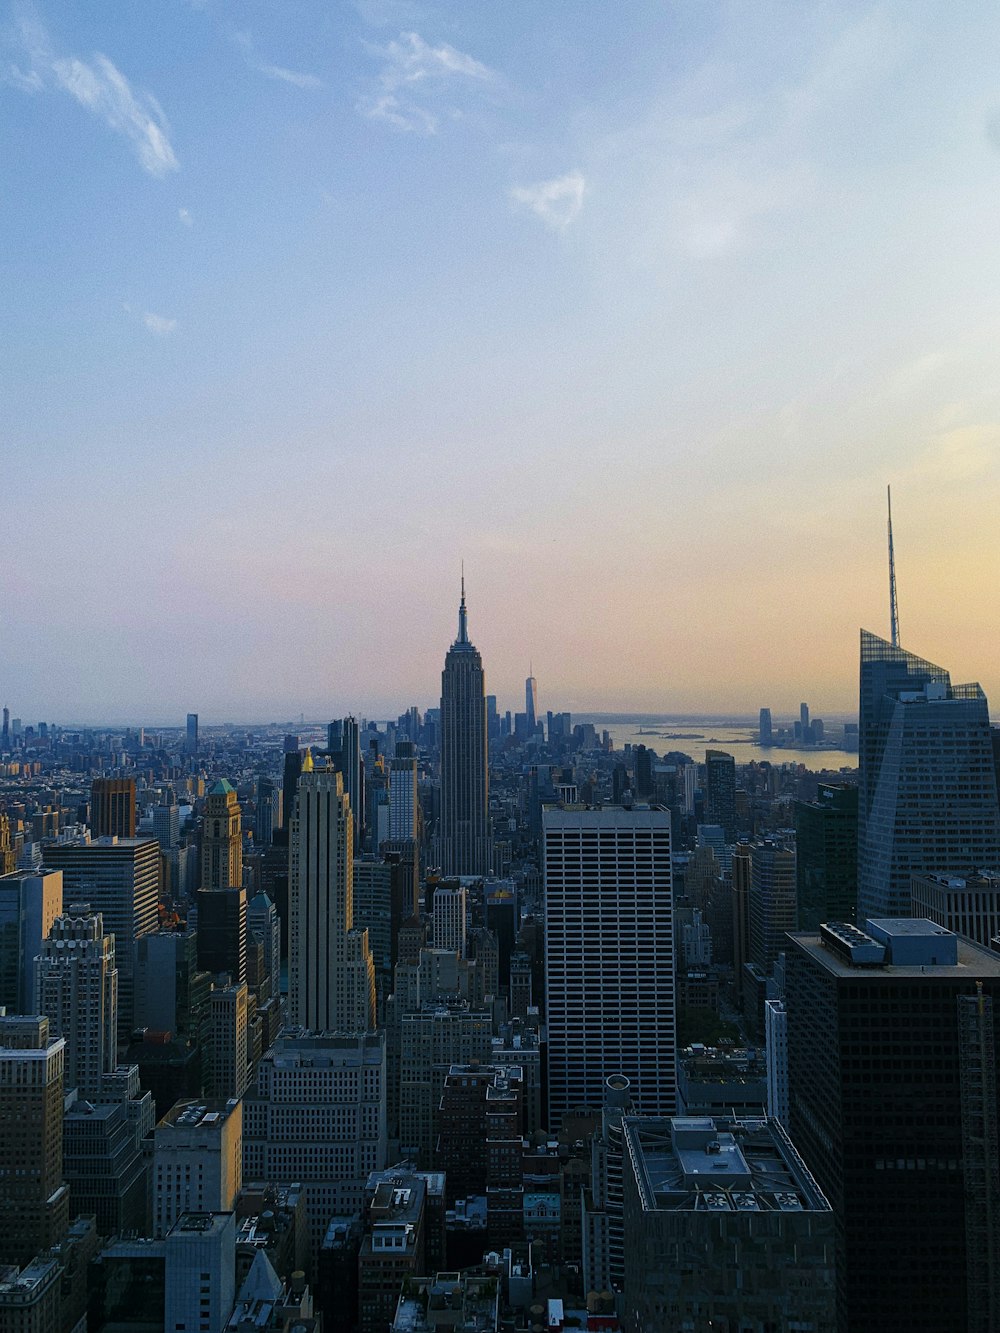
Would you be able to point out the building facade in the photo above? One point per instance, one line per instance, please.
(464, 824)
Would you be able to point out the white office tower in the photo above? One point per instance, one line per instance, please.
(776, 1041)
(200, 1273)
(76, 987)
(403, 803)
(450, 911)
(317, 1116)
(331, 977)
(197, 1161)
(609, 957)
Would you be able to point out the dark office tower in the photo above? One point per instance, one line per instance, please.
(112, 807)
(720, 791)
(772, 901)
(120, 878)
(531, 703)
(268, 803)
(464, 825)
(191, 736)
(892, 1036)
(5, 734)
(643, 773)
(804, 720)
(290, 744)
(492, 718)
(927, 800)
(34, 1198)
(765, 730)
(826, 853)
(620, 784)
(289, 784)
(222, 932)
(222, 839)
(344, 746)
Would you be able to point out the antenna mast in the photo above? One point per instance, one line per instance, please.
(893, 609)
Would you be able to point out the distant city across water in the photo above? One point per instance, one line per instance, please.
(694, 735)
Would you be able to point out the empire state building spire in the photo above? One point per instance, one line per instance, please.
(464, 825)
(463, 624)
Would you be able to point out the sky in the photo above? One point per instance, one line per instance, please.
(634, 308)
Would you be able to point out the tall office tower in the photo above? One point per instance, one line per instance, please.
(167, 826)
(724, 1228)
(171, 993)
(112, 807)
(450, 916)
(267, 817)
(765, 727)
(643, 773)
(34, 1198)
(373, 912)
(29, 905)
(331, 976)
(892, 1074)
(927, 799)
(5, 733)
(120, 878)
(289, 784)
(191, 735)
(531, 703)
(603, 1239)
(344, 745)
(720, 791)
(222, 839)
(772, 902)
(8, 857)
(230, 1056)
(197, 1161)
(200, 1273)
(317, 1115)
(76, 987)
(222, 932)
(403, 803)
(464, 823)
(609, 957)
(804, 721)
(826, 852)
(263, 924)
(742, 864)
(776, 1045)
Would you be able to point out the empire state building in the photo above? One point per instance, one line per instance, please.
(464, 829)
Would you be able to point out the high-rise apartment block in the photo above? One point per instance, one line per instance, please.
(29, 905)
(927, 798)
(892, 1035)
(112, 807)
(34, 1198)
(197, 1161)
(464, 824)
(76, 987)
(331, 977)
(120, 878)
(609, 956)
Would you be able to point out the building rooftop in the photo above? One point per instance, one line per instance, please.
(909, 948)
(706, 1164)
(202, 1224)
(606, 817)
(453, 1301)
(197, 1114)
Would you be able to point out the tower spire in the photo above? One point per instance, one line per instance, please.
(893, 609)
(463, 628)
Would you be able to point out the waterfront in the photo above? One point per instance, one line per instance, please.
(663, 732)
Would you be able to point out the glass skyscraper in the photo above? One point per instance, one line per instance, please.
(928, 791)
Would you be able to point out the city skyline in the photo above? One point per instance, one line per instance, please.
(637, 311)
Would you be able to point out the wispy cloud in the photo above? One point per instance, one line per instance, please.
(159, 324)
(295, 77)
(412, 74)
(183, 215)
(557, 202)
(100, 87)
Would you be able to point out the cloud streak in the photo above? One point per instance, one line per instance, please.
(557, 202)
(159, 324)
(103, 90)
(278, 72)
(413, 72)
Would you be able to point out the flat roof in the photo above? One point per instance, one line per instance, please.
(606, 817)
(974, 962)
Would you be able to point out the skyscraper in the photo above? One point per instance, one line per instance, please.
(765, 728)
(191, 735)
(29, 904)
(720, 791)
(331, 978)
(464, 824)
(76, 987)
(531, 703)
(222, 932)
(772, 901)
(403, 804)
(928, 790)
(222, 839)
(112, 807)
(609, 957)
(5, 733)
(826, 854)
(344, 744)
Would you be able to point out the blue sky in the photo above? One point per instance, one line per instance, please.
(635, 308)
